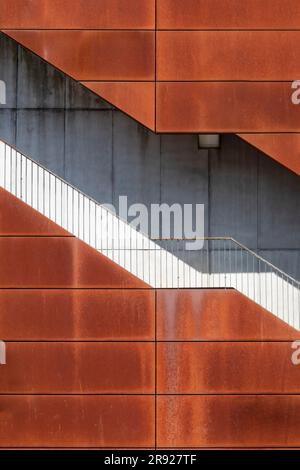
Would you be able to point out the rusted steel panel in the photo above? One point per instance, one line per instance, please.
(228, 55)
(77, 14)
(76, 421)
(125, 314)
(284, 148)
(17, 218)
(78, 368)
(218, 367)
(137, 99)
(228, 14)
(216, 315)
(94, 55)
(58, 262)
(228, 421)
(226, 107)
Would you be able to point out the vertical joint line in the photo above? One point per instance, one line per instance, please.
(257, 203)
(155, 69)
(65, 126)
(155, 369)
(17, 94)
(112, 158)
(209, 249)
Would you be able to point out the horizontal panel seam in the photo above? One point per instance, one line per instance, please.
(92, 30)
(225, 81)
(259, 342)
(264, 394)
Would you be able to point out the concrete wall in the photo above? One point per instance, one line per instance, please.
(106, 154)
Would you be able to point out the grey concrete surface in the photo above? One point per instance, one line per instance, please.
(40, 135)
(286, 260)
(106, 154)
(233, 194)
(79, 97)
(8, 118)
(88, 157)
(184, 172)
(8, 70)
(279, 206)
(39, 86)
(136, 162)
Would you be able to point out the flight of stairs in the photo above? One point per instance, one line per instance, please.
(98, 359)
(222, 263)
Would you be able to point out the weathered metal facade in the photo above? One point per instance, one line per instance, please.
(193, 66)
(95, 358)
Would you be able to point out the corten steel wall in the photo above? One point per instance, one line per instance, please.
(97, 359)
(224, 55)
(66, 128)
(193, 66)
(224, 373)
(228, 66)
(79, 332)
(115, 44)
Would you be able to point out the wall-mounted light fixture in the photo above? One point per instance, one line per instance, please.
(2, 92)
(209, 141)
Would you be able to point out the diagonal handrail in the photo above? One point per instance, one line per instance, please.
(268, 263)
(237, 243)
(233, 240)
(158, 262)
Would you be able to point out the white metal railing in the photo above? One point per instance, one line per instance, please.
(221, 263)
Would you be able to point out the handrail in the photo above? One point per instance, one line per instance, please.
(266, 261)
(233, 240)
(222, 263)
(153, 239)
(70, 185)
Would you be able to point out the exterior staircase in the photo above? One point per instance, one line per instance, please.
(116, 341)
(221, 263)
(97, 359)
